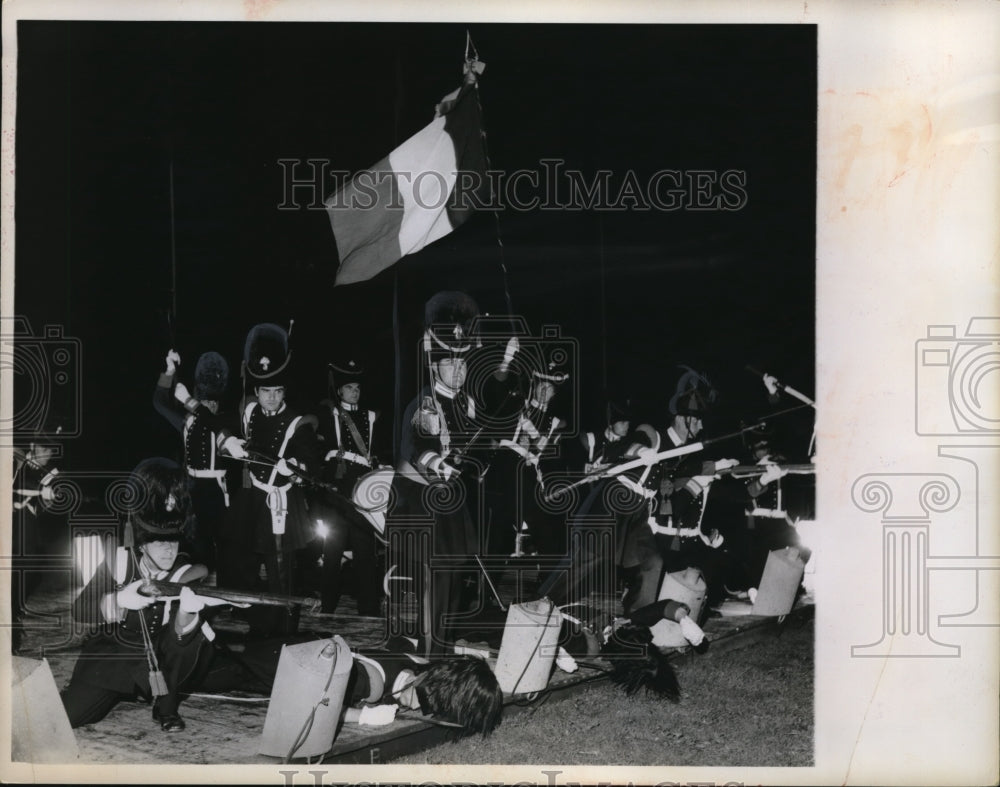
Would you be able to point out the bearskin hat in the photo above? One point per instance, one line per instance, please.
(448, 318)
(266, 355)
(158, 501)
(211, 376)
(695, 394)
(651, 672)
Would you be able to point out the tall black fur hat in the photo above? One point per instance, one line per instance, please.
(650, 671)
(158, 501)
(266, 355)
(448, 318)
(211, 376)
(695, 394)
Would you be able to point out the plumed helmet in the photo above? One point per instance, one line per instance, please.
(448, 318)
(211, 376)
(158, 500)
(551, 367)
(618, 409)
(266, 355)
(695, 394)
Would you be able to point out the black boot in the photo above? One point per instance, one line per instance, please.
(169, 722)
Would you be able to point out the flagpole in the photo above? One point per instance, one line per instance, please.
(173, 261)
(397, 401)
(604, 309)
(471, 76)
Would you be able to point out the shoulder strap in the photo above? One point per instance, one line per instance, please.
(247, 412)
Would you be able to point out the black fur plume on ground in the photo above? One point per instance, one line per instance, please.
(638, 664)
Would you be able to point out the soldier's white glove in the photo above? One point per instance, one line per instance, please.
(725, 464)
(771, 383)
(565, 662)
(714, 539)
(378, 715)
(773, 473)
(283, 466)
(47, 493)
(181, 393)
(692, 631)
(191, 602)
(173, 361)
(513, 345)
(448, 471)
(235, 447)
(703, 480)
(129, 597)
(426, 418)
(289, 467)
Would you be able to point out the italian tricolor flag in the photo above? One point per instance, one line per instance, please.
(422, 191)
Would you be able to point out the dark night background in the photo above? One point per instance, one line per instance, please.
(104, 108)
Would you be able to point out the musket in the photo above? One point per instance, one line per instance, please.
(748, 471)
(161, 589)
(265, 459)
(650, 459)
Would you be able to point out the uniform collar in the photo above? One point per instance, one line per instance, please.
(444, 390)
(148, 573)
(610, 435)
(270, 414)
(350, 408)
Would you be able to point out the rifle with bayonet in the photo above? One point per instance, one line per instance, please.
(651, 458)
(749, 471)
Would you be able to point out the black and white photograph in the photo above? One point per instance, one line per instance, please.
(439, 393)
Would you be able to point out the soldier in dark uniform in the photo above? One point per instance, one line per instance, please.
(269, 520)
(587, 564)
(604, 448)
(142, 646)
(346, 429)
(460, 691)
(682, 537)
(31, 522)
(516, 478)
(436, 481)
(767, 522)
(347, 434)
(207, 438)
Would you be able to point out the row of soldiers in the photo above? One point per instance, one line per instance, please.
(482, 455)
(483, 462)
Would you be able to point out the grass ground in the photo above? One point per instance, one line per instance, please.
(752, 706)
